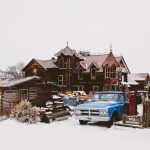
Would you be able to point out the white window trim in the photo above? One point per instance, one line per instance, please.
(94, 86)
(60, 80)
(35, 71)
(81, 88)
(109, 72)
(92, 74)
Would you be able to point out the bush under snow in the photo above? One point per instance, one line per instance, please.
(24, 112)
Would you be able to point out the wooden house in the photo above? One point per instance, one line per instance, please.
(29, 88)
(80, 71)
(138, 81)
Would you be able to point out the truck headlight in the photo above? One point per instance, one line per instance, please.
(103, 113)
(77, 112)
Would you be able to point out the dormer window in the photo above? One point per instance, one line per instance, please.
(110, 72)
(93, 73)
(80, 73)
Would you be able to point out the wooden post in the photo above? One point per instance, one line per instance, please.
(2, 101)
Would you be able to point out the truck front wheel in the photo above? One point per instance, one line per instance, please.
(82, 122)
(113, 119)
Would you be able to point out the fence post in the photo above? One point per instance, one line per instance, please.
(2, 99)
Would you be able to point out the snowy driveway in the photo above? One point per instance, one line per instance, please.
(69, 135)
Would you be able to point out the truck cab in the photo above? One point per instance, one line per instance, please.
(106, 106)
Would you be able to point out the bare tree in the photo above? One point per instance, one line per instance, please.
(15, 72)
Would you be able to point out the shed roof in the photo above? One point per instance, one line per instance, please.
(7, 83)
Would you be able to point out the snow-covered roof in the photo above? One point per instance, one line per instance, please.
(7, 83)
(67, 51)
(138, 77)
(132, 83)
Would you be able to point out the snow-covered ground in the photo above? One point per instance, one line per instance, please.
(69, 135)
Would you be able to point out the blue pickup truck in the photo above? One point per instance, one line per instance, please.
(106, 106)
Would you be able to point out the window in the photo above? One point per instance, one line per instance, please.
(23, 94)
(95, 88)
(35, 71)
(110, 88)
(65, 63)
(61, 62)
(80, 88)
(60, 80)
(80, 73)
(113, 72)
(110, 72)
(122, 99)
(107, 73)
(123, 78)
(93, 73)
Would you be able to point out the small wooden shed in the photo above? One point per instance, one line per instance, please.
(30, 88)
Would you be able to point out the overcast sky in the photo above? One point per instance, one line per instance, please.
(40, 28)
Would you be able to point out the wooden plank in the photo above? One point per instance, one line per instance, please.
(119, 123)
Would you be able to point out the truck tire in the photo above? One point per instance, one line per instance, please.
(113, 119)
(82, 122)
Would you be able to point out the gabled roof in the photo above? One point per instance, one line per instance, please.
(7, 83)
(100, 61)
(110, 60)
(138, 76)
(67, 51)
(120, 58)
(45, 64)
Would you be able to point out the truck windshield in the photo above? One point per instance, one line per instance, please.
(105, 97)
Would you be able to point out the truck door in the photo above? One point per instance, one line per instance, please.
(122, 101)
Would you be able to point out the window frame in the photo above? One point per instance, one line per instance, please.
(95, 86)
(60, 80)
(80, 76)
(93, 77)
(110, 72)
(34, 71)
(22, 94)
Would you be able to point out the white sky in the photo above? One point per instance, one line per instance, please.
(40, 28)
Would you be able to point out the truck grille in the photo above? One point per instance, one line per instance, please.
(90, 112)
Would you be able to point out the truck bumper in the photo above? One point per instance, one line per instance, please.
(93, 118)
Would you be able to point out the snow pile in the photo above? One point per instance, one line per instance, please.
(69, 135)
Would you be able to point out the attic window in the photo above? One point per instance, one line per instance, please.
(93, 73)
(35, 71)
